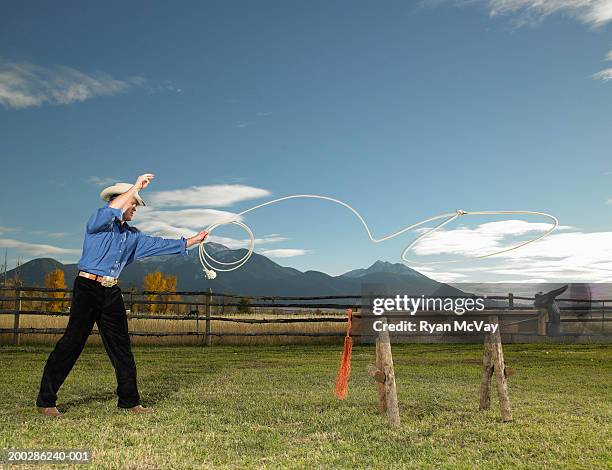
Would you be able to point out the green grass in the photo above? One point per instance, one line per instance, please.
(274, 407)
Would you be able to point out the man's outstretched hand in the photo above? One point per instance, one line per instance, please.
(198, 238)
(143, 181)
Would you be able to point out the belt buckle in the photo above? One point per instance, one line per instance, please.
(108, 281)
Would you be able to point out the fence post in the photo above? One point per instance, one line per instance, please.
(510, 300)
(542, 319)
(132, 301)
(207, 337)
(16, 334)
(197, 313)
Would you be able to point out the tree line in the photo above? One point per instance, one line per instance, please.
(155, 281)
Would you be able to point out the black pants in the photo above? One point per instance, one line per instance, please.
(92, 303)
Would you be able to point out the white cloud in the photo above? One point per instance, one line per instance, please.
(284, 252)
(535, 280)
(595, 13)
(571, 256)
(38, 249)
(556, 271)
(442, 276)
(24, 85)
(234, 244)
(485, 238)
(272, 238)
(7, 229)
(165, 85)
(102, 181)
(591, 12)
(603, 75)
(177, 223)
(187, 222)
(598, 12)
(220, 195)
(46, 233)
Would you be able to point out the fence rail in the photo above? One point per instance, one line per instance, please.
(16, 300)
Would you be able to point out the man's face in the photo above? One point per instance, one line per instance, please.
(131, 210)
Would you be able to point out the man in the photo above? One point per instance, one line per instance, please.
(110, 245)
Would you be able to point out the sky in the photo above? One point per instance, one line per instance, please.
(404, 110)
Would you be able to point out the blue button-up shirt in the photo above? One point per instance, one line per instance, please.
(110, 245)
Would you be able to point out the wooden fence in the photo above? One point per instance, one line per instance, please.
(208, 307)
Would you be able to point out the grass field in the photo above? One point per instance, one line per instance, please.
(273, 407)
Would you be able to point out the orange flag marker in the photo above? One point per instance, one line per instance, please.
(344, 372)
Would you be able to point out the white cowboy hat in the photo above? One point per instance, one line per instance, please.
(119, 188)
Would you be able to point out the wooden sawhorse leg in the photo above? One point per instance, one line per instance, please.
(384, 375)
(493, 362)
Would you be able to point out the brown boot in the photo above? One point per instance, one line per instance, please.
(139, 409)
(53, 411)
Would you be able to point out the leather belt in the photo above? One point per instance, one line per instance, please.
(106, 281)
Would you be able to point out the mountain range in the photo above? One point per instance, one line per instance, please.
(258, 276)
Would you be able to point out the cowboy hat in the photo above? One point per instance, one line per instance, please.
(119, 188)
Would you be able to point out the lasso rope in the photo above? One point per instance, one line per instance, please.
(211, 265)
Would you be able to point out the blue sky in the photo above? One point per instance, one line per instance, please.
(402, 109)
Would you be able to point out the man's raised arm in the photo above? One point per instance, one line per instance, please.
(123, 200)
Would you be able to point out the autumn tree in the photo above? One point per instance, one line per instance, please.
(158, 282)
(55, 280)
